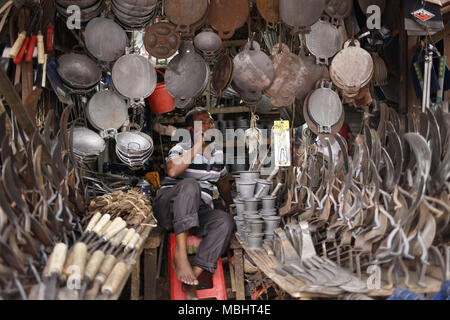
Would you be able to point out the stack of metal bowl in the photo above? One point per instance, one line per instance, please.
(86, 145)
(133, 148)
(89, 8)
(134, 14)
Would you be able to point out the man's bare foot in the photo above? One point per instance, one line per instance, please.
(190, 292)
(183, 269)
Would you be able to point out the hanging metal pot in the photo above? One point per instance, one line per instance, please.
(226, 16)
(208, 43)
(290, 74)
(186, 74)
(134, 77)
(186, 14)
(270, 11)
(301, 14)
(323, 110)
(351, 69)
(107, 112)
(161, 40)
(324, 41)
(105, 39)
(253, 69)
(78, 71)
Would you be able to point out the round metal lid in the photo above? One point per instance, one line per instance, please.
(324, 41)
(106, 110)
(134, 76)
(105, 39)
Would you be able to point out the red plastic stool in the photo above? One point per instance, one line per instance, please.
(218, 289)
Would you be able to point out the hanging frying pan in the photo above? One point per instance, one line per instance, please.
(78, 70)
(226, 16)
(301, 14)
(161, 40)
(186, 13)
(186, 73)
(222, 74)
(323, 110)
(107, 112)
(134, 77)
(324, 41)
(253, 69)
(105, 39)
(290, 73)
(270, 11)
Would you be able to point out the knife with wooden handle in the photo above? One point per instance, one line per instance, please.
(55, 266)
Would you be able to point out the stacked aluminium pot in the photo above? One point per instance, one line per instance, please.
(257, 216)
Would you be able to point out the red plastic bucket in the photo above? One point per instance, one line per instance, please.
(161, 101)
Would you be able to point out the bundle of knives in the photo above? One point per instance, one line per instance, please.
(100, 260)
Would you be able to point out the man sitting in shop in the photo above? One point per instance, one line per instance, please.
(183, 204)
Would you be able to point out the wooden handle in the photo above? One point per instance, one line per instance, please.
(128, 237)
(133, 242)
(68, 263)
(18, 59)
(115, 241)
(30, 50)
(94, 264)
(139, 243)
(44, 71)
(41, 49)
(106, 267)
(93, 221)
(103, 220)
(49, 38)
(115, 279)
(17, 45)
(115, 230)
(105, 228)
(112, 225)
(79, 257)
(57, 261)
